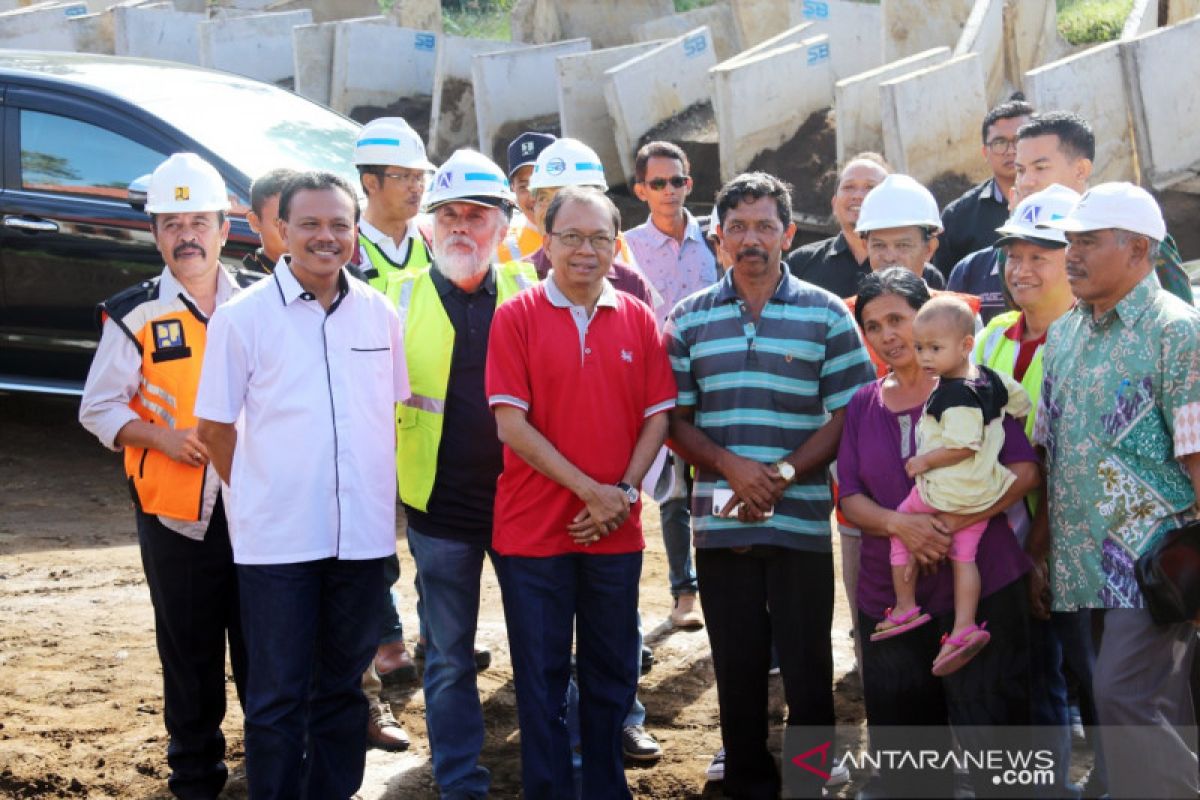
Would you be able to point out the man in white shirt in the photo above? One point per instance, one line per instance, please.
(312, 363)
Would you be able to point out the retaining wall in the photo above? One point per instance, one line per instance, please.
(40, 28)
(157, 33)
(855, 32)
(376, 62)
(258, 46)
(452, 122)
(720, 21)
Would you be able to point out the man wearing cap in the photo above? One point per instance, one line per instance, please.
(392, 168)
(312, 363)
(448, 455)
(1119, 418)
(139, 398)
(524, 238)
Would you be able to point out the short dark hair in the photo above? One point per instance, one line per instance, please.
(317, 182)
(378, 170)
(154, 219)
(268, 185)
(1014, 107)
(1075, 135)
(658, 150)
(902, 282)
(583, 194)
(752, 186)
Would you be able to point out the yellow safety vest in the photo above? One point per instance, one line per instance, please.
(380, 266)
(521, 241)
(994, 349)
(428, 348)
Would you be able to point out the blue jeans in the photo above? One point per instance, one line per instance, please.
(542, 598)
(311, 630)
(448, 573)
(677, 539)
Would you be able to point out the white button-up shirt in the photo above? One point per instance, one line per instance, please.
(674, 269)
(314, 471)
(398, 253)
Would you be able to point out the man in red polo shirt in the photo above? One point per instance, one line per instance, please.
(579, 382)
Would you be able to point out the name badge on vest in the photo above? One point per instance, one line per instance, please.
(169, 343)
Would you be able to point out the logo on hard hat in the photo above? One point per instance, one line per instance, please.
(183, 193)
(1031, 214)
(556, 166)
(445, 180)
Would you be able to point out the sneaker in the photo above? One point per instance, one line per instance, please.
(716, 768)
(685, 616)
(639, 745)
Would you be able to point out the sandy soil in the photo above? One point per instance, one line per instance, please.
(80, 687)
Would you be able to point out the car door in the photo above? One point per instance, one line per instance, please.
(67, 232)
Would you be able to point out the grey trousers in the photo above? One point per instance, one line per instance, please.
(1144, 702)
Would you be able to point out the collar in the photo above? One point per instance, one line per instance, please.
(1129, 308)
(376, 236)
(169, 286)
(608, 295)
(992, 189)
(445, 286)
(839, 245)
(290, 289)
(691, 230)
(786, 291)
(257, 261)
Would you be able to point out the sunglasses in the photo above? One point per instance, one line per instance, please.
(677, 181)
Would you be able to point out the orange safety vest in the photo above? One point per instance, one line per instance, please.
(170, 334)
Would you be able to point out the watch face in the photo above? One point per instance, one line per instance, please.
(786, 470)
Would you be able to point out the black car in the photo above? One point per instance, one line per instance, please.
(75, 131)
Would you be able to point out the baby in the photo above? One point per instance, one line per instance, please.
(957, 469)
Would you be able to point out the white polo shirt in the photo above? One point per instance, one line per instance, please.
(314, 472)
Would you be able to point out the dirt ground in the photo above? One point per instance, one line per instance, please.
(80, 687)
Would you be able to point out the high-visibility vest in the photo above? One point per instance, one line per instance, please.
(521, 241)
(378, 266)
(428, 349)
(994, 349)
(170, 334)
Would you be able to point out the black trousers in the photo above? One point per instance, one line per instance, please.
(193, 586)
(768, 595)
(908, 708)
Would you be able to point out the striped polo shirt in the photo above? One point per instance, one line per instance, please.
(760, 390)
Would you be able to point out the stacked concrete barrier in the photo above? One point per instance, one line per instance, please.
(157, 32)
(859, 109)
(756, 112)
(1030, 37)
(1160, 68)
(656, 86)
(377, 62)
(258, 46)
(517, 90)
(913, 26)
(40, 28)
(718, 18)
(1091, 84)
(792, 35)
(582, 109)
(1143, 18)
(452, 122)
(931, 122)
(983, 35)
(93, 33)
(758, 20)
(855, 32)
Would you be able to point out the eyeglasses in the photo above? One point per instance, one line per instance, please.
(677, 181)
(1000, 145)
(574, 240)
(407, 177)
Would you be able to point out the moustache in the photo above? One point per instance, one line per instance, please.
(752, 252)
(188, 247)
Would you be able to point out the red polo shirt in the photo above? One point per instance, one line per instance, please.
(588, 387)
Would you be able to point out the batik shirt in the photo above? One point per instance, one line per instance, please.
(1120, 404)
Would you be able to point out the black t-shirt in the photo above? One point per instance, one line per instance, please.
(829, 264)
(969, 224)
(987, 393)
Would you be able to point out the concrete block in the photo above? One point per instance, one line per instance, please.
(718, 17)
(758, 20)
(912, 26)
(1143, 18)
(516, 90)
(329, 10)
(377, 62)
(1179, 10)
(1091, 84)
(983, 34)
(604, 24)
(757, 112)
(421, 15)
(931, 121)
(93, 33)
(855, 32)
(40, 27)
(258, 46)
(312, 49)
(656, 86)
(1030, 37)
(452, 122)
(793, 35)
(157, 33)
(859, 113)
(1164, 102)
(582, 109)
(534, 22)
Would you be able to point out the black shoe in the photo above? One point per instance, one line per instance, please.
(639, 745)
(647, 659)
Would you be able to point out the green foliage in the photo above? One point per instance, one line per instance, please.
(1092, 21)
(480, 19)
(688, 5)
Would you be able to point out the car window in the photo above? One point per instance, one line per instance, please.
(67, 156)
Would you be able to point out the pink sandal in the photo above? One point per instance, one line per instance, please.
(966, 646)
(901, 624)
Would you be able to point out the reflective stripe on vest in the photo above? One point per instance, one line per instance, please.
(428, 349)
(382, 266)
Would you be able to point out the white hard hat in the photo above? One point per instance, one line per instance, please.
(1119, 205)
(469, 177)
(567, 162)
(898, 202)
(185, 182)
(391, 142)
(1053, 202)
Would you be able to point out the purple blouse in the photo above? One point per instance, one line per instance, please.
(876, 442)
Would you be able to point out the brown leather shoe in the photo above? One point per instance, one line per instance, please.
(685, 615)
(394, 665)
(383, 731)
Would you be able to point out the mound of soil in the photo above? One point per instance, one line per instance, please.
(550, 123)
(808, 161)
(695, 130)
(949, 186)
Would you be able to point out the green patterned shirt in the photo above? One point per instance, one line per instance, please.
(1120, 404)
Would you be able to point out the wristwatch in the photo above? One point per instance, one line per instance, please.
(786, 470)
(631, 493)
